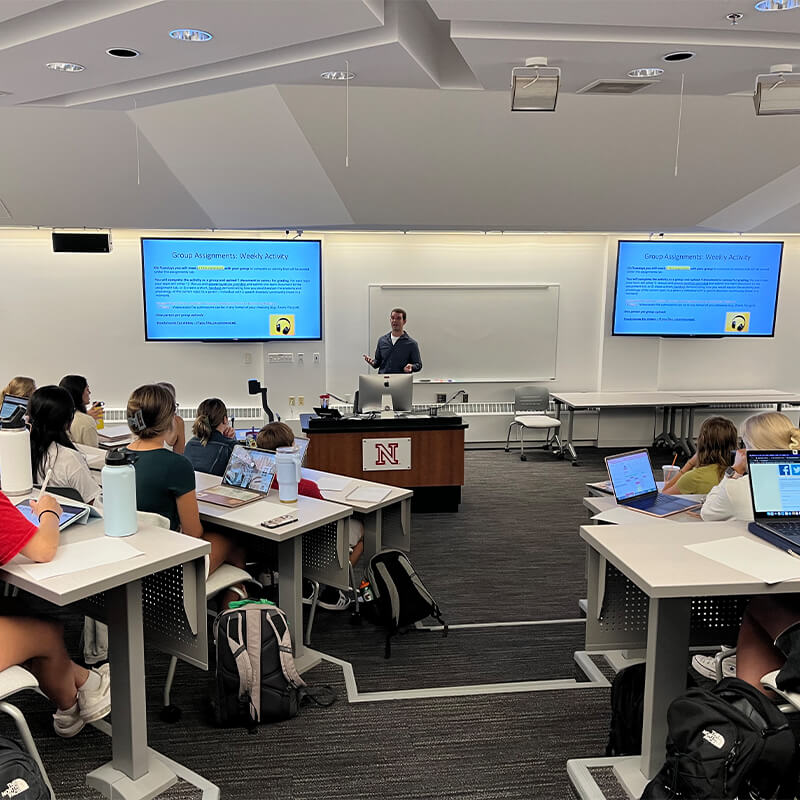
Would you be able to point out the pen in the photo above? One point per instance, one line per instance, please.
(47, 480)
(792, 553)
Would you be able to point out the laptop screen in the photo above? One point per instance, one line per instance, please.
(10, 404)
(774, 483)
(631, 474)
(249, 468)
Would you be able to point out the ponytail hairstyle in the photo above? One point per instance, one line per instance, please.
(275, 435)
(76, 386)
(715, 441)
(210, 414)
(150, 411)
(20, 387)
(50, 412)
(770, 431)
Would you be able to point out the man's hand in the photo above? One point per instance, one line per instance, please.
(370, 361)
(408, 368)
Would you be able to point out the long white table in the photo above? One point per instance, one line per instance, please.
(173, 614)
(316, 545)
(671, 581)
(683, 401)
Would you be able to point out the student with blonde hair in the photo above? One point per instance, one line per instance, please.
(165, 480)
(210, 447)
(705, 469)
(20, 387)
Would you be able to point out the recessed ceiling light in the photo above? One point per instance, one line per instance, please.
(777, 5)
(646, 72)
(337, 75)
(65, 66)
(678, 55)
(190, 35)
(122, 52)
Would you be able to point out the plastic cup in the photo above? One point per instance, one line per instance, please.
(669, 471)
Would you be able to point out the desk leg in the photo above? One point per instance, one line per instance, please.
(372, 534)
(290, 599)
(568, 443)
(665, 678)
(683, 439)
(133, 773)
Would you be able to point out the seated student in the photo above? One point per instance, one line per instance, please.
(279, 434)
(176, 439)
(210, 447)
(84, 426)
(706, 468)
(759, 647)
(80, 695)
(20, 387)
(50, 413)
(165, 480)
(730, 499)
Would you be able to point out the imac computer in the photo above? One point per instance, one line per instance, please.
(390, 392)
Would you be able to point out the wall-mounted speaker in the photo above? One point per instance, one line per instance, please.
(81, 242)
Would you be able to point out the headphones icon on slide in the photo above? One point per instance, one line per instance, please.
(283, 325)
(738, 322)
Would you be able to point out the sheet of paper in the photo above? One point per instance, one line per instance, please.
(619, 515)
(78, 556)
(114, 432)
(759, 559)
(369, 494)
(333, 483)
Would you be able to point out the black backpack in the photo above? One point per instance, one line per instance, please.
(20, 776)
(256, 678)
(627, 711)
(399, 596)
(730, 742)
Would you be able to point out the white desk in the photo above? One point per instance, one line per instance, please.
(135, 771)
(316, 544)
(387, 523)
(672, 581)
(671, 401)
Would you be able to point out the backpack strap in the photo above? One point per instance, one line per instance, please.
(284, 640)
(239, 652)
(394, 598)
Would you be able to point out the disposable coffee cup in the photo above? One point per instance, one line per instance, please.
(669, 472)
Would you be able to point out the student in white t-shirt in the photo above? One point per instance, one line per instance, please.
(51, 412)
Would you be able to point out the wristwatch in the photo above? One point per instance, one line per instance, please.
(731, 473)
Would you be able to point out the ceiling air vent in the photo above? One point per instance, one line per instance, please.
(615, 86)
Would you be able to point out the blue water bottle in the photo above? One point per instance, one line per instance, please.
(119, 494)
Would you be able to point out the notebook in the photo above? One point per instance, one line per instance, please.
(11, 404)
(634, 486)
(775, 491)
(247, 478)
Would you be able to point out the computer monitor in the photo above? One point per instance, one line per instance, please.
(11, 404)
(391, 392)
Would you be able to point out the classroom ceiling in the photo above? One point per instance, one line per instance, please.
(242, 132)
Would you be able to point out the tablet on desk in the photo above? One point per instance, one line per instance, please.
(69, 514)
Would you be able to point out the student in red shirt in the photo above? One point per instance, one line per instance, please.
(81, 695)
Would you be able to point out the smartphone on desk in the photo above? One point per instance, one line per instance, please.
(276, 522)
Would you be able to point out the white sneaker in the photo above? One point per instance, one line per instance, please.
(342, 603)
(68, 723)
(94, 704)
(707, 666)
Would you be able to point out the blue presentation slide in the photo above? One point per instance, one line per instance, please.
(228, 289)
(696, 288)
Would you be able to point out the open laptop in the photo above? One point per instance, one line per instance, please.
(302, 446)
(634, 486)
(775, 490)
(247, 478)
(11, 404)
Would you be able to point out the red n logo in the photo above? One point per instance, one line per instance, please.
(386, 454)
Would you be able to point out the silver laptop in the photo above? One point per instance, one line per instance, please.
(247, 478)
(775, 490)
(11, 404)
(634, 486)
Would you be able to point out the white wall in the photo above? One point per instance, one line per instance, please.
(82, 313)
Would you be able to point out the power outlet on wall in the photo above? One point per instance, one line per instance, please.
(301, 400)
(291, 400)
(441, 398)
(465, 397)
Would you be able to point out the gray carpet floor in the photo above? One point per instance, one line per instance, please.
(512, 553)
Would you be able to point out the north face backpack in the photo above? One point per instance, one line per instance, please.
(256, 678)
(399, 596)
(730, 742)
(627, 711)
(20, 776)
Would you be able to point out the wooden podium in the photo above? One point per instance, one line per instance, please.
(436, 467)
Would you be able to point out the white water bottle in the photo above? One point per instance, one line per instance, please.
(119, 494)
(287, 469)
(15, 455)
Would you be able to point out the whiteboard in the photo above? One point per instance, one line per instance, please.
(474, 332)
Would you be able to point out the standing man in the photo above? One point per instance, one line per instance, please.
(396, 350)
